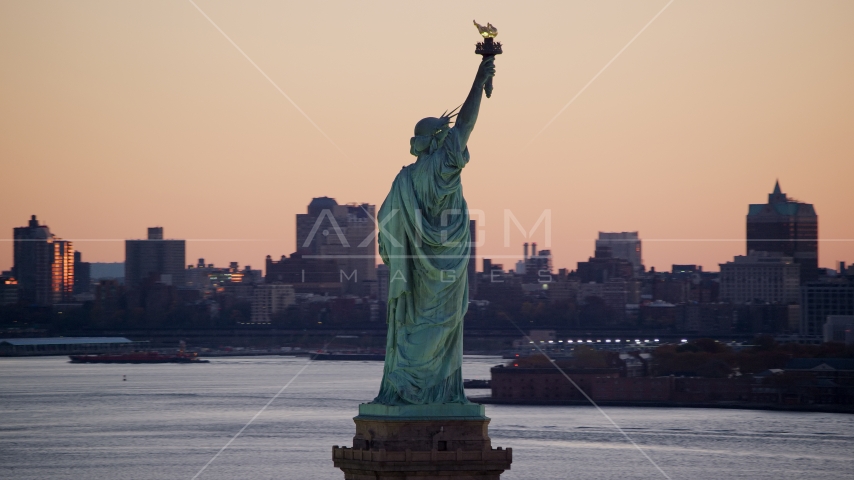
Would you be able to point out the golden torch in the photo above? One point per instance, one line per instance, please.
(489, 47)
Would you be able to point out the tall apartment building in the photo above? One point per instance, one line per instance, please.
(270, 299)
(344, 233)
(625, 245)
(82, 274)
(154, 257)
(760, 276)
(44, 265)
(785, 226)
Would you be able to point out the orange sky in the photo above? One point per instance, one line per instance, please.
(117, 116)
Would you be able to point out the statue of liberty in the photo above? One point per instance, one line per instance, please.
(424, 239)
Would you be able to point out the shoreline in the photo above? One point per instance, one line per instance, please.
(829, 408)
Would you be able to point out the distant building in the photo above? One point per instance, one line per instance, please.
(565, 290)
(250, 276)
(154, 257)
(472, 266)
(382, 283)
(44, 265)
(762, 277)
(207, 277)
(616, 293)
(537, 267)
(625, 245)
(8, 290)
(788, 227)
(821, 299)
(708, 318)
(839, 328)
(107, 271)
(82, 274)
(499, 287)
(588, 290)
(270, 299)
(307, 274)
(343, 233)
(603, 266)
(658, 314)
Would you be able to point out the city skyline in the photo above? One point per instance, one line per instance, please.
(143, 115)
(321, 223)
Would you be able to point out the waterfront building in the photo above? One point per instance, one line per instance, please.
(66, 345)
(156, 258)
(270, 299)
(821, 299)
(515, 383)
(44, 265)
(785, 226)
(625, 245)
(762, 277)
(345, 234)
(839, 328)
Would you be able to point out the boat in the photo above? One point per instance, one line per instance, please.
(477, 383)
(141, 357)
(138, 357)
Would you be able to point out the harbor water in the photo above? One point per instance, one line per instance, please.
(167, 421)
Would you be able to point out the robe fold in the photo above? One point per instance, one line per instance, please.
(424, 239)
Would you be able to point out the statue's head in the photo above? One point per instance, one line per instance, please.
(430, 133)
(433, 127)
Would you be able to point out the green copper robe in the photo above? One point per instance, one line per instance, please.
(424, 239)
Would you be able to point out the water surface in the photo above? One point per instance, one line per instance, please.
(62, 420)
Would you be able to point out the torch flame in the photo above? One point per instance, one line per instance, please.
(488, 31)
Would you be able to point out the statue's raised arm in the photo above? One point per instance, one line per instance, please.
(471, 107)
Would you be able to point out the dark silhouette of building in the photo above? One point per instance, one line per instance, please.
(82, 274)
(603, 266)
(820, 299)
(472, 267)
(537, 267)
(382, 283)
(154, 257)
(345, 234)
(625, 245)
(307, 274)
(44, 265)
(8, 290)
(786, 226)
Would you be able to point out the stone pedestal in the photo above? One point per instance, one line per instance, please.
(424, 442)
